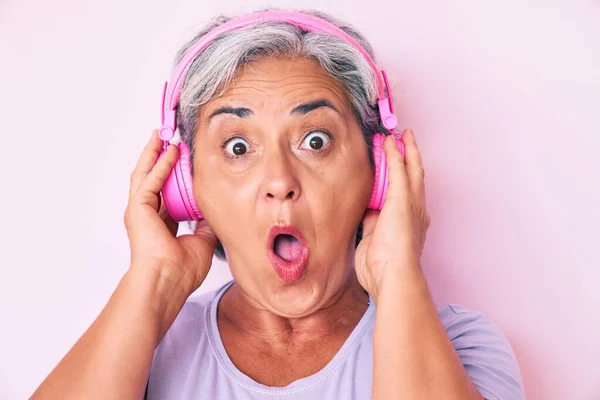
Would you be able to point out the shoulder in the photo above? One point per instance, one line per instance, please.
(186, 336)
(185, 344)
(484, 351)
(184, 348)
(192, 320)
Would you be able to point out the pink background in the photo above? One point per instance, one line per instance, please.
(504, 99)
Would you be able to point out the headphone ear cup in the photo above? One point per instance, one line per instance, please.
(177, 191)
(379, 161)
(380, 183)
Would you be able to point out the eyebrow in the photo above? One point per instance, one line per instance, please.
(304, 109)
(241, 112)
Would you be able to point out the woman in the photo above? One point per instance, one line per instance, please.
(280, 119)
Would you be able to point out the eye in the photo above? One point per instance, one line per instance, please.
(316, 140)
(237, 147)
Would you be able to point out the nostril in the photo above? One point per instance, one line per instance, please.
(290, 195)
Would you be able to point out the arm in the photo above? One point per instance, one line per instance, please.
(412, 354)
(418, 352)
(113, 357)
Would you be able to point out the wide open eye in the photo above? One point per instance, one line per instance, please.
(237, 147)
(316, 140)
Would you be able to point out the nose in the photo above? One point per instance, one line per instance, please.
(280, 182)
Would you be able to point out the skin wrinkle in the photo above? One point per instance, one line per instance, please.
(318, 82)
(252, 92)
(283, 321)
(215, 68)
(266, 332)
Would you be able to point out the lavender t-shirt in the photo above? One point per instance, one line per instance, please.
(191, 362)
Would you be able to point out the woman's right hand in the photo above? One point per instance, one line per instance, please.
(151, 231)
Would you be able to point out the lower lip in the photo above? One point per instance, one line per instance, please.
(288, 271)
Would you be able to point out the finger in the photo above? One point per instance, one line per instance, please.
(145, 162)
(369, 222)
(414, 164)
(155, 179)
(397, 178)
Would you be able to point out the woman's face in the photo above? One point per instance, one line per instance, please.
(282, 175)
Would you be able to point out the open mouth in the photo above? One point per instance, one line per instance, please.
(288, 247)
(288, 252)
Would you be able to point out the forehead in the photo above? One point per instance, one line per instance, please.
(282, 82)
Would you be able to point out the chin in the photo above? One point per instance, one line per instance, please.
(304, 296)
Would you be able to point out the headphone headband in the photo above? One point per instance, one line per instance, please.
(172, 90)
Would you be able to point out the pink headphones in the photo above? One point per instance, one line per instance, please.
(177, 190)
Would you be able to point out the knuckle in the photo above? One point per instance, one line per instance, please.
(427, 219)
(420, 171)
(127, 217)
(154, 181)
(133, 176)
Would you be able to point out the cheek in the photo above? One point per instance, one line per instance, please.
(353, 181)
(342, 195)
(224, 201)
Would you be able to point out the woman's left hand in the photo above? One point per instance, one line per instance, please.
(393, 238)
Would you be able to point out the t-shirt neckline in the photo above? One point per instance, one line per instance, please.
(299, 385)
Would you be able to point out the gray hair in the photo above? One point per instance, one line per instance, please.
(215, 67)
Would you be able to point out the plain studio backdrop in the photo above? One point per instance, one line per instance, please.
(504, 99)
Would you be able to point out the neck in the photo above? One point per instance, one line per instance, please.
(339, 314)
